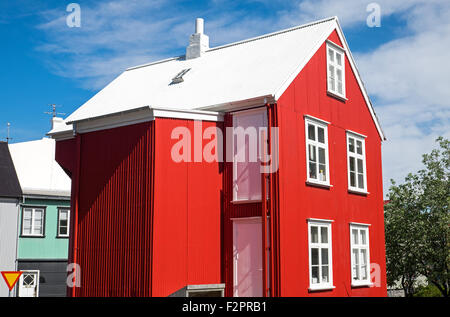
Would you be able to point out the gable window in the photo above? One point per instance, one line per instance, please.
(320, 260)
(356, 160)
(317, 151)
(63, 222)
(360, 256)
(33, 221)
(247, 128)
(336, 70)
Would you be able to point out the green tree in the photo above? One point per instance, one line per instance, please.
(417, 224)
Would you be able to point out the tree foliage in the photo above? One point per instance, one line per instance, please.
(417, 224)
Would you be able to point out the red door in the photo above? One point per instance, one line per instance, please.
(247, 257)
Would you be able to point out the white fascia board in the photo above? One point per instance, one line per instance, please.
(279, 92)
(140, 115)
(60, 136)
(241, 104)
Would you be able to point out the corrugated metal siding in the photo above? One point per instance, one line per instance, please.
(298, 201)
(9, 210)
(114, 229)
(187, 237)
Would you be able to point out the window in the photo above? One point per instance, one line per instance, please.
(317, 151)
(356, 157)
(247, 128)
(63, 222)
(336, 70)
(33, 221)
(320, 260)
(360, 260)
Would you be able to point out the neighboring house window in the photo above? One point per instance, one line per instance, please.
(247, 128)
(320, 260)
(33, 221)
(360, 256)
(356, 160)
(317, 151)
(336, 70)
(63, 222)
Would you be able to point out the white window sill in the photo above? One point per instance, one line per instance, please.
(318, 184)
(362, 284)
(358, 191)
(313, 288)
(246, 201)
(337, 96)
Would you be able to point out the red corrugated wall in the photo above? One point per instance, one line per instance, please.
(298, 201)
(187, 230)
(112, 231)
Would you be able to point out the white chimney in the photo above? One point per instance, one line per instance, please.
(198, 42)
(57, 122)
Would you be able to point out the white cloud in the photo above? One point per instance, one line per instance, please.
(409, 78)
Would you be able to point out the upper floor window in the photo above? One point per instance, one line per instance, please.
(63, 222)
(247, 128)
(336, 70)
(356, 157)
(33, 221)
(320, 261)
(317, 151)
(360, 260)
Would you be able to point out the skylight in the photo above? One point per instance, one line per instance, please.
(179, 77)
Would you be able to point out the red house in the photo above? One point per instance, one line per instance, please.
(161, 197)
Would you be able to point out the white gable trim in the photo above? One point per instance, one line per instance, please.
(280, 91)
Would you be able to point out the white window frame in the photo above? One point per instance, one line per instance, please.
(359, 247)
(58, 232)
(236, 115)
(356, 137)
(33, 219)
(317, 123)
(319, 224)
(337, 50)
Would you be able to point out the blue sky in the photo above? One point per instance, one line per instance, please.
(404, 63)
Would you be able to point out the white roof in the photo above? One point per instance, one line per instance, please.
(251, 69)
(238, 71)
(37, 170)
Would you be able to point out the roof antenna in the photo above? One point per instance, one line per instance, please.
(54, 113)
(8, 138)
(54, 120)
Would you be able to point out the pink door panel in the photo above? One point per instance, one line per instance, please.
(247, 257)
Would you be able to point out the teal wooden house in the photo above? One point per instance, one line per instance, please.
(43, 220)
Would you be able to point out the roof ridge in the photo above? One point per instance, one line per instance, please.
(294, 28)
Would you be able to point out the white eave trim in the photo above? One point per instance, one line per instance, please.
(139, 115)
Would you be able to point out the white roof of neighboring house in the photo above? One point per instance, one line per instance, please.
(254, 69)
(37, 170)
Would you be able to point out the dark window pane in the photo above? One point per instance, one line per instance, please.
(351, 145)
(324, 256)
(312, 170)
(352, 164)
(314, 256)
(321, 135)
(358, 147)
(360, 166)
(352, 179)
(361, 181)
(311, 132)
